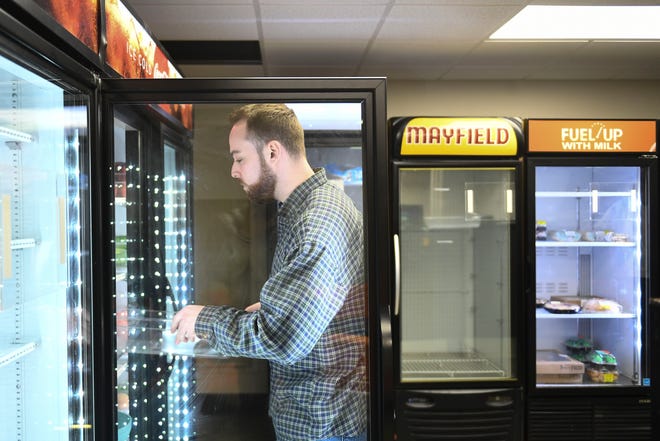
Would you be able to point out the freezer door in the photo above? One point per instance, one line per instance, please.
(591, 259)
(45, 335)
(454, 294)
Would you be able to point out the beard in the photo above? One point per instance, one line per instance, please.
(264, 189)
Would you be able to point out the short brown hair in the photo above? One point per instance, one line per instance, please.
(268, 122)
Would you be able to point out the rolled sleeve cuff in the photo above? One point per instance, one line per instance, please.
(205, 320)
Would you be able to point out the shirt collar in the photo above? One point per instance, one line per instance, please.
(294, 203)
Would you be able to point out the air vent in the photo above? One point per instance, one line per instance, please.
(590, 419)
(459, 415)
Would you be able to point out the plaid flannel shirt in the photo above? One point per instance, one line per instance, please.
(312, 321)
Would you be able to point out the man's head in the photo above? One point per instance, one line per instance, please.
(271, 122)
(267, 144)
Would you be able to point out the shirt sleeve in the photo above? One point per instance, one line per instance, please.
(297, 304)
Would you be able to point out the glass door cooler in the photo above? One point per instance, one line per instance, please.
(592, 190)
(183, 232)
(457, 286)
(45, 334)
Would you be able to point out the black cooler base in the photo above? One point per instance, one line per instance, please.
(589, 419)
(459, 415)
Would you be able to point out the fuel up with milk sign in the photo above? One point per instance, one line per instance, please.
(428, 136)
(591, 136)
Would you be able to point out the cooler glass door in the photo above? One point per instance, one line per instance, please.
(590, 254)
(44, 313)
(188, 390)
(454, 264)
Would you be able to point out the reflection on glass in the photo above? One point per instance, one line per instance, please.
(455, 248)
(44, 315)
(155, 379)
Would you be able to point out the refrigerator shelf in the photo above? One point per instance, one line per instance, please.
(621, 381)
(11, 352)
(449, 366)
(543, 314)
(11, 135)
(581, 194)
(578, 243)
(19, 244)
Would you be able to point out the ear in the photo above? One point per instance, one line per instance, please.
(273, 151)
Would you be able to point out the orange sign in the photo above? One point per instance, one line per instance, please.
(459, 136)
(79, 17)
(591, 136)
(133, 53)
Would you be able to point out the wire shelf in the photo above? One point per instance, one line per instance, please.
(461, 365)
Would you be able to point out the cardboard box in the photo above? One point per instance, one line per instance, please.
(557, 368)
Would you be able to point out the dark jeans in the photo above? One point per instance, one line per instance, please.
(361, 437)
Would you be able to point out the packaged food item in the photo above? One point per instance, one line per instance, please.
(541, 230)
(575, 300)
(578, 348)
(598, 236)
(602, 366)
(565, 235)
(602, 305)
(556, 307)
(602, 374)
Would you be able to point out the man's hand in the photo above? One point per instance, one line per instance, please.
(254, 307)
(183, 323)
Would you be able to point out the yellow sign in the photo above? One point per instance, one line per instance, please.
(459, 136)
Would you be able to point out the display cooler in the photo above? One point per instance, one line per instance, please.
(456, 213)
(592, 198)
(45, 238)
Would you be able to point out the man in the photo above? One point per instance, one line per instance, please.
(310, 320)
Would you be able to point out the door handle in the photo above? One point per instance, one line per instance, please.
(655, 301)
(397, 275)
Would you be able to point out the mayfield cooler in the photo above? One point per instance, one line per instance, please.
(456, 286)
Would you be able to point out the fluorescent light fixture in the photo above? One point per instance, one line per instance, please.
(469, 195)
(540, 22)
(509, 201)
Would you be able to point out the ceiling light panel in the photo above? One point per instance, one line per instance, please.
(539, 22)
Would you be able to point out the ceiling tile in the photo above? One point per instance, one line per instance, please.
(309, 21)
(200, 22)
(415, 52)
(438, 22)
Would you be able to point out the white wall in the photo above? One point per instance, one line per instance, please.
(525, 99)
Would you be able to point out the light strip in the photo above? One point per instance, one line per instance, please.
(594, 201)
(469, 195)
(542, 22)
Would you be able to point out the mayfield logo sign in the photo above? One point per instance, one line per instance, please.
(588, 136)
(459, 136)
